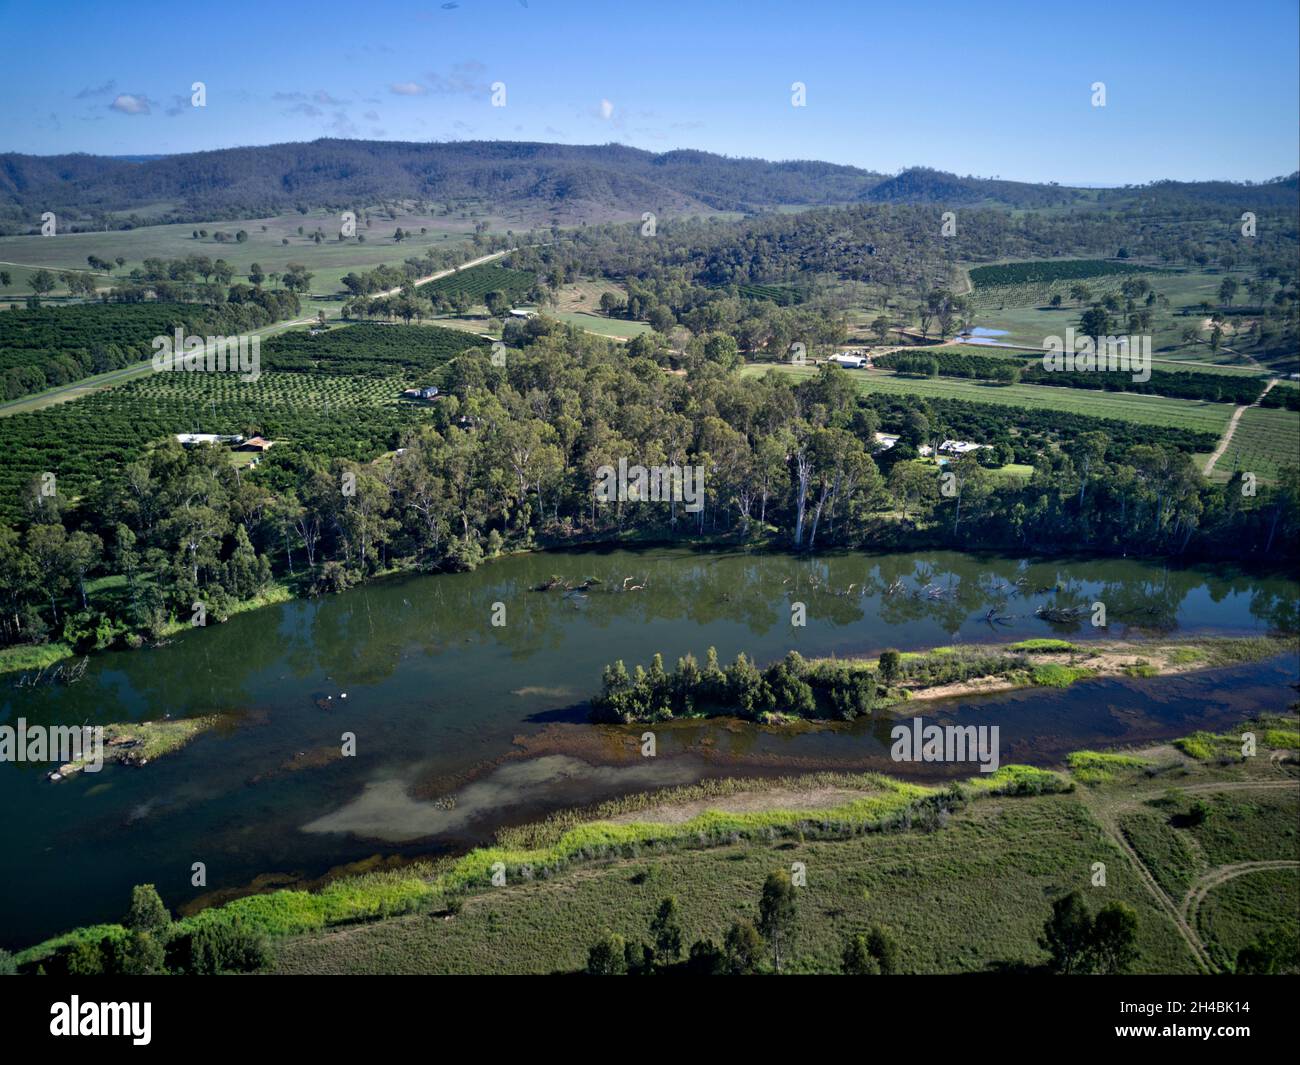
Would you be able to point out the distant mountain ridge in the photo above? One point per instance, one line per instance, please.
(572, 181)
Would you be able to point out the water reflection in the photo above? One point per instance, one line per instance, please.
(445, 706)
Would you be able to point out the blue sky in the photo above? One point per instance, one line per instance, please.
(1193, 89)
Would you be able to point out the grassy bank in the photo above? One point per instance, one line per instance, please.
(962, 877)
(33, 656)
(879, 804)
(969, 894)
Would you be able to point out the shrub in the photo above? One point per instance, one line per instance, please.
(85, 959)
(1096, 767)
(881, 947)
(857, 960)
(744, 947)
(1052, 675)
(705, 959)
(144, 955)
(608, 956)
(1198, 813)
(1043, 644)
(147, 912)
(225, 944)
(1199, 745)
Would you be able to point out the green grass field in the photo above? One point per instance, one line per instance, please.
(992, 873)
(970, 896)
(1242, 826)
(1122, 406)
(994, 351)
(328, 261)
(606, 327)
(1022, 310)
(1231, 916)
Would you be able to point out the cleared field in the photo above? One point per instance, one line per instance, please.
(1234, 912)
(578, 304)
(1022, 309)
(479, 326)
(1267, 440)
(618, 328)
(1039, 293)
(328, 261)
(585, 295)
(997, 351)
(1122, 406)
(1012, 472)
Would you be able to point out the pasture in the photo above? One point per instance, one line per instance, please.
(996, 868)
(265, 245)
(1023, 310)
(997, 351)
(615, 328)
(1121, 406)
(968, 897)
(584, 296)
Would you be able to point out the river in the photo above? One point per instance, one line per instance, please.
(463, 726)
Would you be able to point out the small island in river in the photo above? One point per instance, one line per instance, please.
(794, 688)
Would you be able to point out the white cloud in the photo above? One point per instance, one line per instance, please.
(606, 110)
(407, 88)
(131, 104)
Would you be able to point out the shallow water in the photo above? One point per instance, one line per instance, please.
(462, 727)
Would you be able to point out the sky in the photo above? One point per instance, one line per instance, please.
(1193, 90)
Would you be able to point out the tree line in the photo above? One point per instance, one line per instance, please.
(509, 459)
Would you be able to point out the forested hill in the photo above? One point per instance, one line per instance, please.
(570, 182)
(343, 173)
